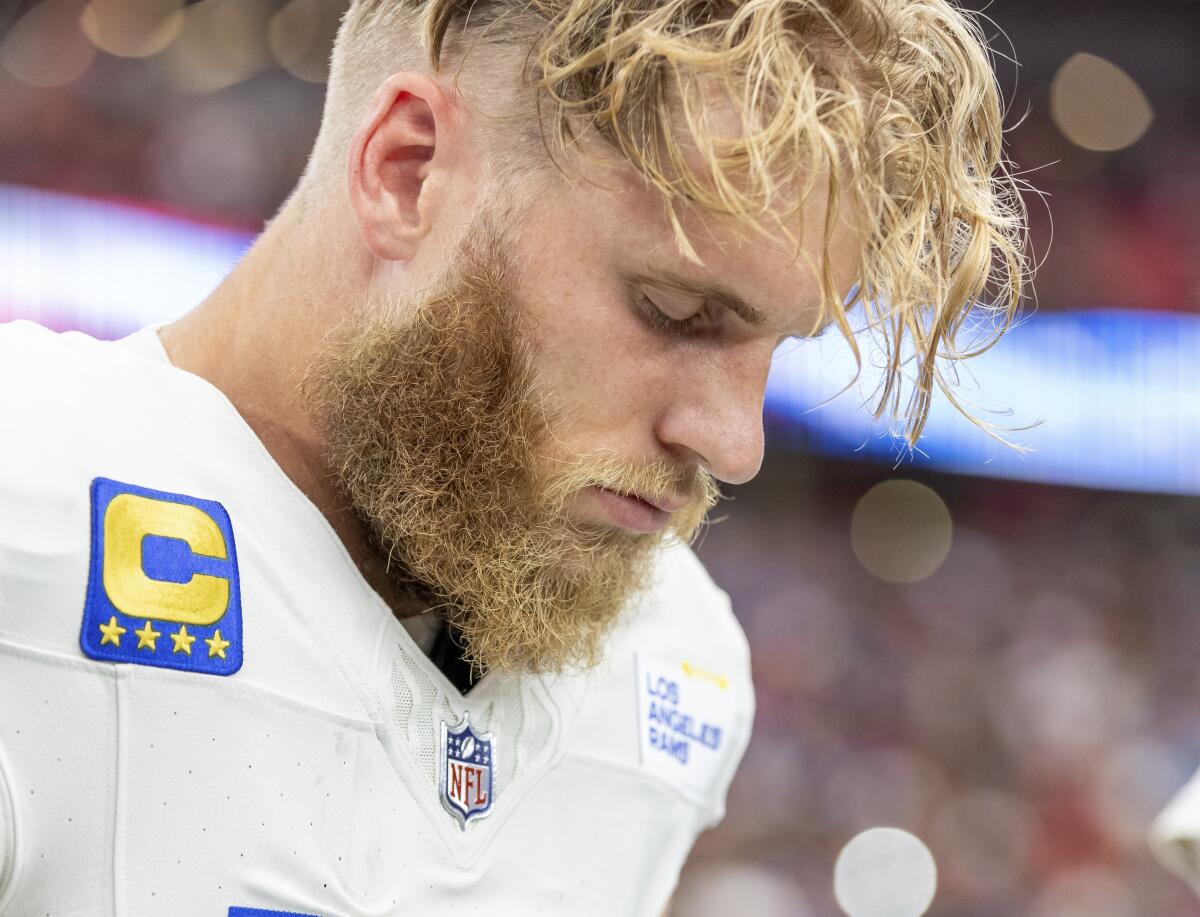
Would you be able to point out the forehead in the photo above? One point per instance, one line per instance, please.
(776, 275)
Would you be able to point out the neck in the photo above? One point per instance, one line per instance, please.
(254, 338)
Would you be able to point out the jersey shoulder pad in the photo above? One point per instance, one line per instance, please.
(97, 509)
(690, 612)
(695, 693)
(48, 378)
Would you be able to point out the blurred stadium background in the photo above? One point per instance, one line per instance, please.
(994, 653)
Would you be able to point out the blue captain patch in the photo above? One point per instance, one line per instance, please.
(163, 586)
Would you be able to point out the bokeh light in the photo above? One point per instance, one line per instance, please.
(300, 36)
(223, 43)
(1066, 700)
(885, 872)
(1097, 105)
(45, 47)
(901, 531)
(132, 28)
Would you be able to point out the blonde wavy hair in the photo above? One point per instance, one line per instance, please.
(888, 107)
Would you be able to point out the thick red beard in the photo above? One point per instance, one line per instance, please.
(434, 428)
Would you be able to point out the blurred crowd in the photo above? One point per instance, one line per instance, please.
(1025, 710)
(212, 126)
(218, 122)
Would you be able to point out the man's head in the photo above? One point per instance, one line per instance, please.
(571, 235)
(450, 450)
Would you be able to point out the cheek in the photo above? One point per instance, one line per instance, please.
(599, 368)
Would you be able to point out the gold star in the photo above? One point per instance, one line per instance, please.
(112, 632)
(216, 646)
(183, 642)
(146, 637)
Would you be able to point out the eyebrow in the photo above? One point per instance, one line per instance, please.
(718, 294)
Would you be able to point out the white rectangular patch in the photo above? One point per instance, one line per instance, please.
(684, 716)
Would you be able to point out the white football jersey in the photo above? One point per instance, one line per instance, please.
(1175, 834)
(205, 710)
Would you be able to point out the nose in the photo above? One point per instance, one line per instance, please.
(715, 418)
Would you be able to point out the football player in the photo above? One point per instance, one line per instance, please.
(364, 588)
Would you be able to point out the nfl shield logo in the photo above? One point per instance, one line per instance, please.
(465, 778)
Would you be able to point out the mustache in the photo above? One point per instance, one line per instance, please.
(655, 480)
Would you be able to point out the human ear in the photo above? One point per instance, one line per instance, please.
(397, 165)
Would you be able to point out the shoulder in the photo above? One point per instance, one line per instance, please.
(686, 612)
(67, 396)
(67, 370)
(72, 410)
(72, 405)
(694, 678)
(138, 514)
(18, 335)
(29, 349)
(678, 673)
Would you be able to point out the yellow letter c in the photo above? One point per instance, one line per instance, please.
(128, 519)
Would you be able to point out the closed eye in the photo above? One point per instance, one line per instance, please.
(698, 323)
